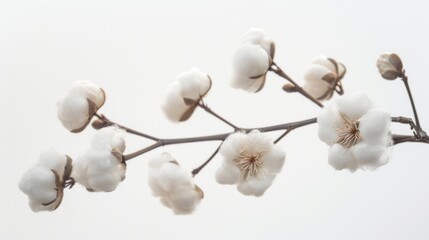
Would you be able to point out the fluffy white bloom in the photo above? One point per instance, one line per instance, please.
(185, 93)
(358, 134)
(251, 161)
(322, 77)
(44, 182)
(390, 66)
(77, 107)
(173, 185)
(101, 168)
(251, 61)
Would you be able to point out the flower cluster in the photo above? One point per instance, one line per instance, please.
(251, 161)
(45, 181)
(358, 134)
(322, 77)
(252, 60)
(173, 184)
(102, 168)
(77, 107)
(184, 95)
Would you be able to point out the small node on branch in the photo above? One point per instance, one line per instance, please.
(288, 87)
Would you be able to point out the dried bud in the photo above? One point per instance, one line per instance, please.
(390, 66)
(98, 124)
(289, 88)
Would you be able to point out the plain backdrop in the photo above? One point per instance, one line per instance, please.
(134, 49)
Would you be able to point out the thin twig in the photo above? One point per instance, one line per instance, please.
(198, 169)
(209, 110)
(277, 70)
(283, 135)
(407, 138)
(107, 122)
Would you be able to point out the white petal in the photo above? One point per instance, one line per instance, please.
(374, 126)
(91, 91)
(233, 145)
(258, 37)
(328, 122)
(240, 81)
(228, 173)
(256, 186)
(272, 161)
(354, 105)
(341, 158)
(184, 201)
(369, 156)
(73, 112)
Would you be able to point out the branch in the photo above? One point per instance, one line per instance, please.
(277, 70)
(397, 139)
(209, 110)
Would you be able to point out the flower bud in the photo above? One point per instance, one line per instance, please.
(390, 66)
(288, 87)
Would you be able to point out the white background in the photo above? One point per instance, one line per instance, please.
(134, 49)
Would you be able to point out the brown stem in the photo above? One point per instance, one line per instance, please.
(218, 137)
(198, 169)
(277, 70)
(107, 122)
(418, 129)
(209, 110)
(408, 138)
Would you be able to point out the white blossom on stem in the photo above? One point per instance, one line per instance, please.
(322, 77)
(252, 60)
(173, 185)
(185, 93)
(77, 107)
(358, 134)
(44, 182)
(102, 168)
(251, 161)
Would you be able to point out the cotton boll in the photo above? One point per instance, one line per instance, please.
(251, 161)
(44, 182)
(357, 132)
(325, 62)
(183, 96)
(98, 169)
(193, 84)
(173, 184)
(250, 60)
(77, 107)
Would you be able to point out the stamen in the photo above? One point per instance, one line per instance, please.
(349, 135)
(249, 164)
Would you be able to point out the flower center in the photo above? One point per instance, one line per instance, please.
(249, 164)
(348, 135)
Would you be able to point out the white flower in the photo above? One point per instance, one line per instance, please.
(45, 181)
(184, 95)
(101, 168)
(173, 185)
(251, 161)
(357, 133)
(251, 61)
(390, 66)
(322, 77)
(77, 107)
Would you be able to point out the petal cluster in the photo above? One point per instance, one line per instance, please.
(358, 133)
(102, 168)
(44, 182)
(173, 185)
(77, 107)
(251, 161)
(251, 61)
(322, 77)
(185, 93)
